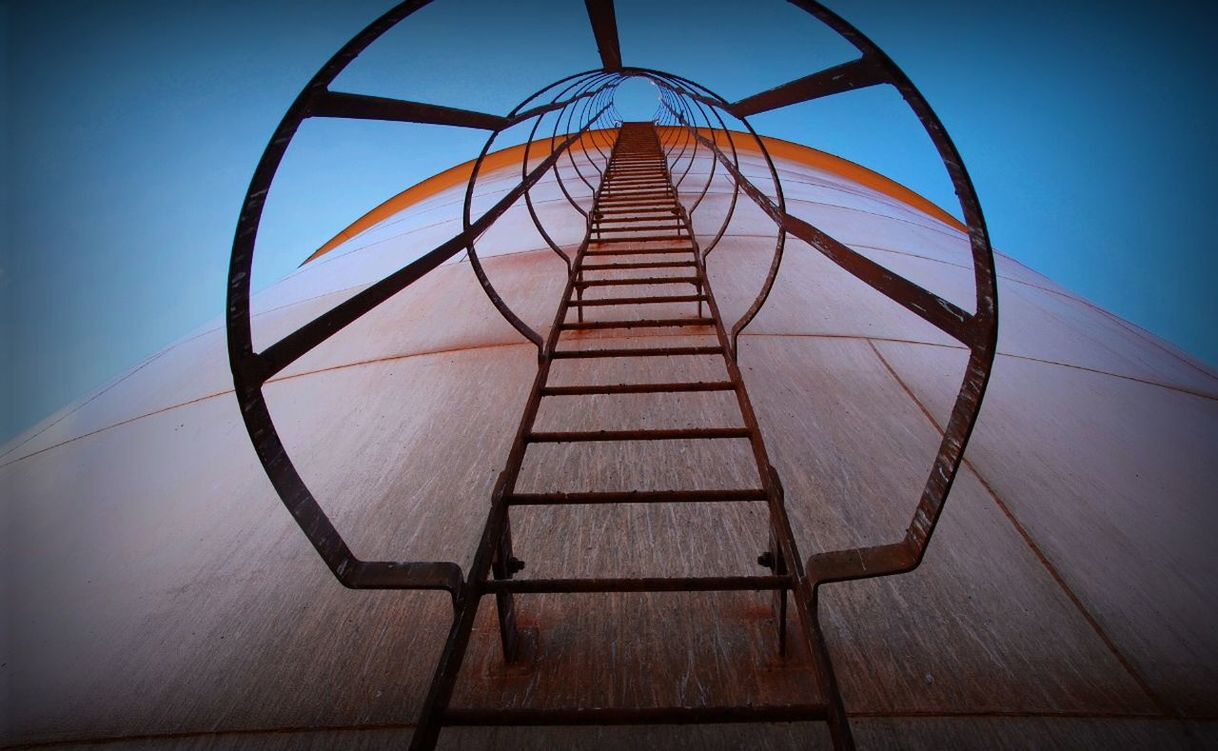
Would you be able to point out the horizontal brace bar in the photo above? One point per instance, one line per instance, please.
(636, 496)
(661, 299)
(637, 716)
(657, 178)
(652, 584)
(624, 218)
(616, 199)
(642, 280)
(621, 196)
(618, 188)
(639, 265)
(633, 193)
(627, 195)
(658, 323)
(656, 209)
(639, 252)
(644, 228)
(638, 388)
(634, 207)
(654, 434)
(610, 190)
(644, 239)
(571, 354)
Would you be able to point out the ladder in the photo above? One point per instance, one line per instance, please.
(636, 217)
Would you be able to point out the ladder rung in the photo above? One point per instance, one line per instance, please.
(637, 300)
(637, 178)
(638, 196)
(637, 715)
(668, 202)
(634, 219)
(639, 434)
(661, 209)
(637, 265)
(651, 207)
(628, 193)
(638, 252)
(636, 496)
(638, 280)
(609, 197)
(645, 239)
(637, 388)
(632, 200)
(635, 352)
(645, 228)
(645, 323)
(647, 584)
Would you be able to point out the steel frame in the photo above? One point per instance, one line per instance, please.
(582, 117)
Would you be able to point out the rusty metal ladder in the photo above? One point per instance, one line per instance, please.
(636, 212)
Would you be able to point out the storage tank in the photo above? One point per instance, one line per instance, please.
(161, 596)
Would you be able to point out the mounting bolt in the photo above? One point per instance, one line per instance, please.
(766, 559)
(514, 565)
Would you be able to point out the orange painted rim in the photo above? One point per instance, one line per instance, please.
(778, 149)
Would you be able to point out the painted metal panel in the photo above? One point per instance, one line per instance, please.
(160, 588)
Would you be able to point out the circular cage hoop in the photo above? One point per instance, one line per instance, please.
(689, 104)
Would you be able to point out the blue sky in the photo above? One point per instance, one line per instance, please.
(131, 128)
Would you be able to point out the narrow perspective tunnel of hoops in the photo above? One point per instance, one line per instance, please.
(577, 117)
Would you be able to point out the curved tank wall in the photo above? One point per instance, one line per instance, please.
(159, 594)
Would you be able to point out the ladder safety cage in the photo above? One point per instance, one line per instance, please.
(631, 183)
